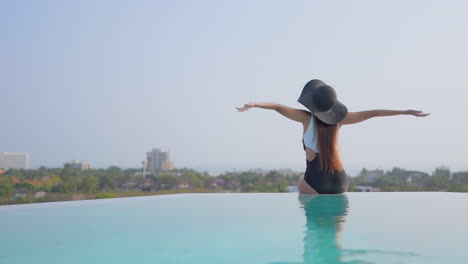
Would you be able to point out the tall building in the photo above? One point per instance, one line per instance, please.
(75, 164)
(14, 160)
(158, 160)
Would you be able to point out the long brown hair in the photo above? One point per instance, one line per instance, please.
(328, 146)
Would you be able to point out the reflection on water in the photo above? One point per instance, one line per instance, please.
(325, 216)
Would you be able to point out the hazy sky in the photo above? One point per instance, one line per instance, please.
(105, 81)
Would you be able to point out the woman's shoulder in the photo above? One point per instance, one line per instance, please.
(309, 115)
(308, 119)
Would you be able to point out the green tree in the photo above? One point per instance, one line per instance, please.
(460, 177)
(6, 188)
(436, 183)
(169, 181)
(51, 182)
(24, 185)
(89, 184)
(282, 185)
(362, 176)
(116, 177)
(443, 173)
(248, 187)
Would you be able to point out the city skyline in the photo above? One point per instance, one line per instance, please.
(81, 165)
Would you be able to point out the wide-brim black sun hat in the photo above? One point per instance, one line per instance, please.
(322, 102)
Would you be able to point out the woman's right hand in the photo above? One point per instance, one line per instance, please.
(246, 107)
(416, 113)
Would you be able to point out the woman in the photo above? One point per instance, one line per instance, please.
(324, 170)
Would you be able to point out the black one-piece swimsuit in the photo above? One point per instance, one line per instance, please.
(324, 182)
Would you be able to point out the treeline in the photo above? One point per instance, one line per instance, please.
(397, 179)
(46, 184)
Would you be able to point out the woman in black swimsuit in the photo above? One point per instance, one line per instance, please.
(324, 172)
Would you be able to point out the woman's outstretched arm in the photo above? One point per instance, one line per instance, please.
(356, 117)
(298, 115)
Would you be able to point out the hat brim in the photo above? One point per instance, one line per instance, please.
(334, 115)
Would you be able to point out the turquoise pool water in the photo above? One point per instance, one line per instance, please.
(240, 228)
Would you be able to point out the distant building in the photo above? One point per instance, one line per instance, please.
(14, 160)
(140, 174)
(19, 193)
(167, 165)
(40, 194)
(131, 183)
(158, 160)
(78, 165)
(183, 185)
(220, 181)
(363, 188)
(147, 185)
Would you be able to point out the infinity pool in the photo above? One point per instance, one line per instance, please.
(240, 228)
